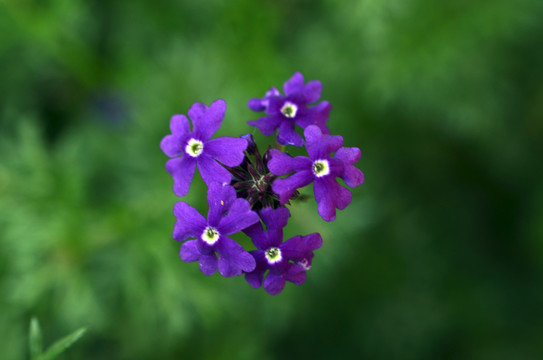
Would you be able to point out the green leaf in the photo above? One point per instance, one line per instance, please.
(34, 339)
(57, 348)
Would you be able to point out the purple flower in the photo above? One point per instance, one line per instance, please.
(190, 148)
(286, 111)
(321, 169)
(286, 261)
(227, 215)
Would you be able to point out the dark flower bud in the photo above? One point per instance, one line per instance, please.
(251, 147)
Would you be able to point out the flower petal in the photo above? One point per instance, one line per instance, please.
(189, 251)
(320, 145)
(212, 171)
(171, 145)
(315, 115)
(179, 125)
(299, 247)
(294, 85)
(312, 91)
(287, 134)
(274, 284)
(351, 175)
(189, 221)
(207, 120)
(329, 196)
(296, 274)
(256, 104)
(285, 188)
(281, 163)
(233, 259)
(208, 264)
(255, 232)
(219, 198)
(267, 124)
(255, 277)
(182, 171)
(275, 218)
(240, 216)
(228, 150)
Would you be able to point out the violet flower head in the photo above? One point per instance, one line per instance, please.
(321, 168)
(286, 261)
(190, 148)
(284, 112)
(227, 215)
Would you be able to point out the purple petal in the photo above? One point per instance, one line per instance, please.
(296, 274)
(228, 150)
(285, 188)
(219, 198)
(171, 145)
(262, 240)
(274, 284)
(349, 155)
(267, 124)
(189, 251)
(233, 259)
(294, 85)
(351, 175)
(315, 115)
(287, 134)
(256, 104)
(336, 167)
(275, 218)
(207, 120)
(189, 221)
(320, 145)
(329, 196)
(182, 171)
(299, 247)
(281, 163)
(212, 171)
(240, 216)
(272, 93)
(179, 125)
(255, 277)
(208, 264)
(255, 232)
(312, 91)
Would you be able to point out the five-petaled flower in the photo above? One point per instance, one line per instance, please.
(227, 215)
(286, 261)
(321, 169)
(286, 111)
(188, 149)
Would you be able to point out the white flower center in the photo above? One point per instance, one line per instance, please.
(273, 255)
(321, 168)
(194, 148)
(210, 235)
(289, 109)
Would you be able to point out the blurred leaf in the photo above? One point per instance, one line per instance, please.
(35, 339)
(57, 348)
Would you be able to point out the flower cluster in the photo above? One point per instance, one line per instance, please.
(248, 191)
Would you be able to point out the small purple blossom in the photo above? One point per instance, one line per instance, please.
(286, 261)
(227, 215)
(190, 148)
(321, 169)
(284, 112)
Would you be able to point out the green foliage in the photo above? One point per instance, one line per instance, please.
(438, 256)
(55, 350)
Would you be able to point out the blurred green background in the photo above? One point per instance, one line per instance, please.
(439, 256)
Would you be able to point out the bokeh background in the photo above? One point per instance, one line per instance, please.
(439, 256)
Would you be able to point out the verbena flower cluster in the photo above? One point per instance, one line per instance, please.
(249, 191)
